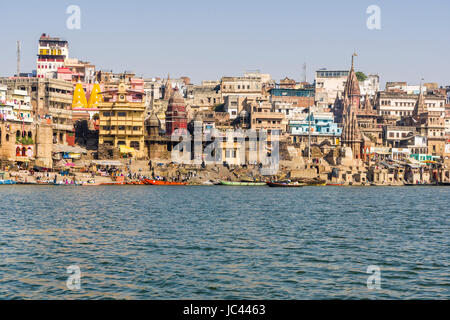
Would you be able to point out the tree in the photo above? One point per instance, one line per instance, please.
(361, 76)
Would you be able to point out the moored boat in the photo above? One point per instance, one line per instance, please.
(284, 184)
(163, 183)
(335, 184)
(241, 183)
(135, 183)
(8, 182)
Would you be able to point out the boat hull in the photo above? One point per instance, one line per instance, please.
(284, 185)
(242, 183)
(163, 183)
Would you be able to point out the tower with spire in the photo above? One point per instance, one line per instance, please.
(176, 115)
(351, 135)
(351, 95)
(168, 88)
(420, 107)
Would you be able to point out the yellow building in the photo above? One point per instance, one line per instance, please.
(122, 115)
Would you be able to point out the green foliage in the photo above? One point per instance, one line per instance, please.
(361, 76)
(25, 140)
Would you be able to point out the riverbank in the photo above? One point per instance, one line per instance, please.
(319, 172)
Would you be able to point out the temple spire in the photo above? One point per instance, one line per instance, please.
(420, 106)
(353, 60)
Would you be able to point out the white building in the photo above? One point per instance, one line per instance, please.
(289, 110)
(328, 84)
(3, 90)
(400, 104)
(370, 86)
(52, 53)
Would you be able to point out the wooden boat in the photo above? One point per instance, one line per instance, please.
(112, 184)
(135, 183)
(241, 183)
(8, 182)
(335, 184)
(91, 184)
(163, 183)
(318, 184)
(284, 184)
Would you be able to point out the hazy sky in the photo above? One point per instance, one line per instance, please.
(208, 39)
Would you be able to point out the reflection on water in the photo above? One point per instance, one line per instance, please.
(223, 242)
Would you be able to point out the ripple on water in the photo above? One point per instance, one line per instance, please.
(224, 243)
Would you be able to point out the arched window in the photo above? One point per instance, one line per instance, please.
(18, 151)
(7, 137)
(18, 134)
(29, 134)
(24, 152)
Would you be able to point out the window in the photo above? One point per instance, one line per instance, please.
(121, 114)
(135, 144)
(121, 127)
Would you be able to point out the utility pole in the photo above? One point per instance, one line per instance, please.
(304, 72)
(18, 58)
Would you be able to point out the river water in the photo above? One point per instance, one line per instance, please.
(214, 242)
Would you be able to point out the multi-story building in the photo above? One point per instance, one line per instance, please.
(52, 52)
(3, 90)
(370, 86)
(205, 96)
(328, 84)
(394, 136)
(76, 70)
(301, 98)
(51, 100)
(20, 102)
(322, 127)
(233, 105)
(401, 86)
(289, 110)
(400, 104)
(429, 120)
(263, 118)
(247, 86)
(122, 117)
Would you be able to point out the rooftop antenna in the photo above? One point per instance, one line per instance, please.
(18, 58)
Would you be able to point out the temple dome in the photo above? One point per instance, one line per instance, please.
(176, 97)
(152, 120)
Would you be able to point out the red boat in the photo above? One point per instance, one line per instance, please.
(163, 183)
(335, 184)
(139, 183)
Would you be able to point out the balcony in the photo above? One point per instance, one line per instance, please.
(56, 111)
(60, 97)
(63, 127)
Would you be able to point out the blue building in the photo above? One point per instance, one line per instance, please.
(322, 127)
